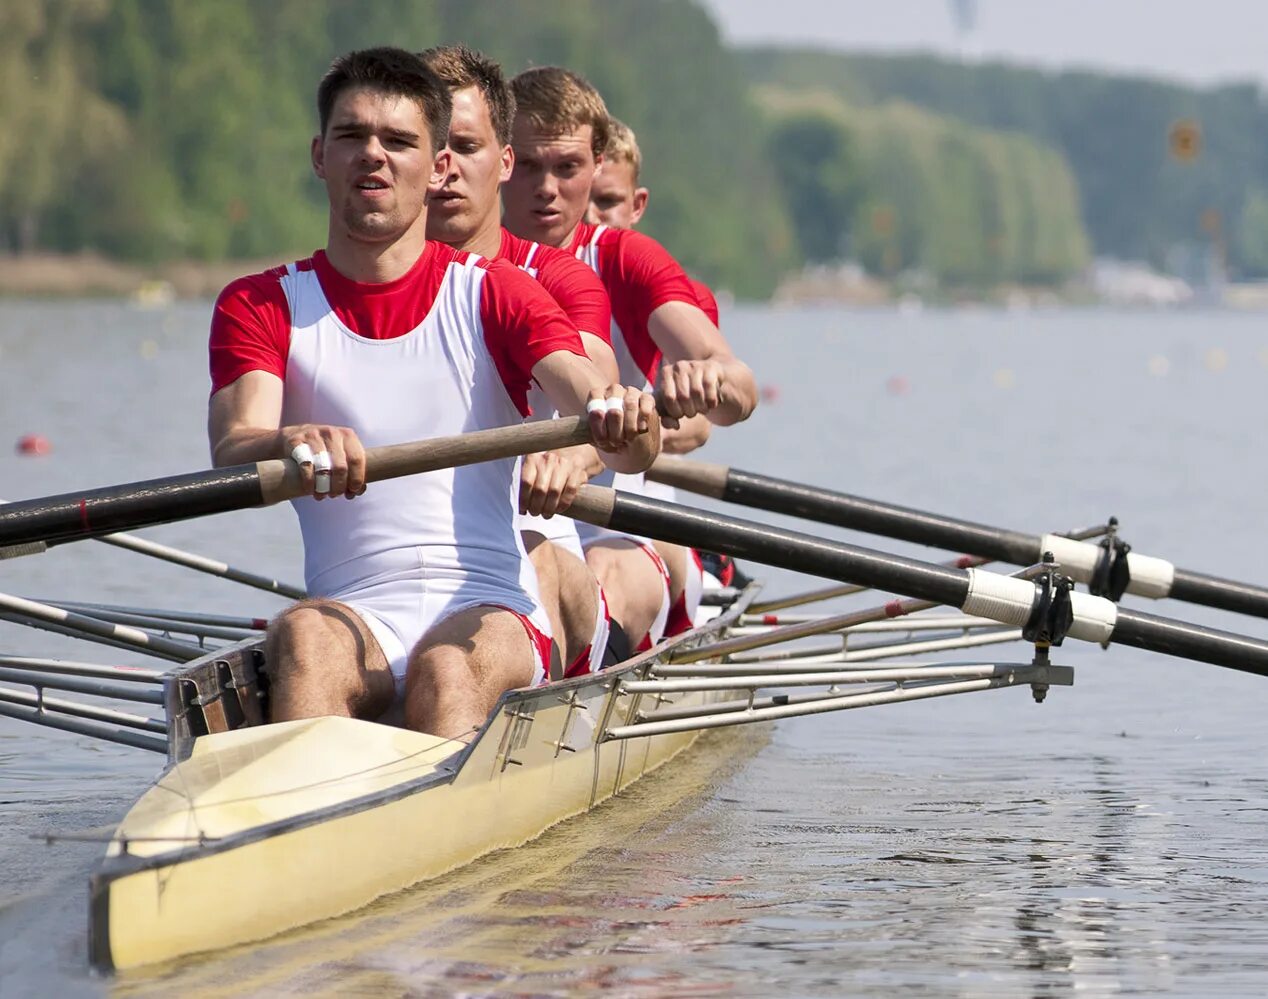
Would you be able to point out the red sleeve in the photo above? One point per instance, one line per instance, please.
(708, 304)
(579, 293)
(250, 329)
(521, 324)
(645, 273)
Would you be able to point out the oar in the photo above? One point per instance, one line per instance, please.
(94, 512)
(187, 560)
(1006, 599)
(1148, 576)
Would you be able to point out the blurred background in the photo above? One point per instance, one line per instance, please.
(857, 152)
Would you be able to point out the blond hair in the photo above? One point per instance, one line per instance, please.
(460, 67)
(558, 100)
(622, 146)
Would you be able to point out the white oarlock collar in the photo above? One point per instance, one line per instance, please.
(1150, 577)
(1010, 600)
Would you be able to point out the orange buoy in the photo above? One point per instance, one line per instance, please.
(34, 445)
(897, 385)
(770, 393)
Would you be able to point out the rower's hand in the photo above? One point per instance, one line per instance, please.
(343, 452)
(690, 388)
(549, 482)
(619, 415)
(624, 428)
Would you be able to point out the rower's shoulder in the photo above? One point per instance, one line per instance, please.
(265, 285)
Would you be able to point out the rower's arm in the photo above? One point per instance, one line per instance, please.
(690, 434)
(600, 352)
(244, 420)
(685, 334)
(570, 381)
(244, 426)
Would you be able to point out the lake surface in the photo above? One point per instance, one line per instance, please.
(1113, 839)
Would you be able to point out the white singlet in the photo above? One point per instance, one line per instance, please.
(413, 550)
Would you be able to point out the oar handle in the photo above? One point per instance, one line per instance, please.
(279, 479)
(93, 512)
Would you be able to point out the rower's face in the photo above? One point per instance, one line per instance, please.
(478, 166)
(549, 190)
(615, 197)
(376, 160)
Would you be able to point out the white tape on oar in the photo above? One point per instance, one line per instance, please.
(1094, 617)
(1077, 559)
(1150, 577)
(1010, 600)
(1001, 598)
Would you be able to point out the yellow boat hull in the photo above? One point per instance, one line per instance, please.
(271, 827)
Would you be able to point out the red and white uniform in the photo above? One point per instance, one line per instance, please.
(444, 349)
(682, 613)
(580, 293)
(584, 300)
(640, 276)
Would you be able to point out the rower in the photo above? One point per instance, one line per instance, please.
(420, 587)
(617, 200)
(659, 333)
(466, 214)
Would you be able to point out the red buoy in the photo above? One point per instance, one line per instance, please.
(34, 445)
(897, 385)
(770, 393)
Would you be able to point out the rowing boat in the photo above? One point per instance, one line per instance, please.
(236, 839)
(254, 828)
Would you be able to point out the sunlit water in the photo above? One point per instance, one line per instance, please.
(1111, 840)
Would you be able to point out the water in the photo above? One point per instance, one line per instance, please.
(1111, 840)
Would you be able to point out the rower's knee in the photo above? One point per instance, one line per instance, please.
(322, 660)
(632, 584)
(460, 669)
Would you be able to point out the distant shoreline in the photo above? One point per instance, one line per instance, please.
(89, 275)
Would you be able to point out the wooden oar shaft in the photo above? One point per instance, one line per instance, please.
(1150, 577)
(974, 590)
(94, 512)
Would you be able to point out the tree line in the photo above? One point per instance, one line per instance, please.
(1160, 167)
(153, 130)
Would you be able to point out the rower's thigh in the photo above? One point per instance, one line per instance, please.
(631, 581)
(484, 649)
(322, 650)
(675, 557)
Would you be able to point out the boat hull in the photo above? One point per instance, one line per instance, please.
(266, 828)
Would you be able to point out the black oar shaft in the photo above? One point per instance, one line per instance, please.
(1190, 641)
(909, 577)
(775, 546)
(108, 510)
(889, 520)
(94, 512)
(885, 519)
(1211, 591)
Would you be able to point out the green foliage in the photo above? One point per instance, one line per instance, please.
(1138, 199)
(818, 171)
(169, 128)
(898, 188)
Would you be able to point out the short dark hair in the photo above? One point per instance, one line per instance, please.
(388, 71)
(459, 67)
(558, 100)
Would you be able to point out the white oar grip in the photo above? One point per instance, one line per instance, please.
(1150, 577)
(1001, 598)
